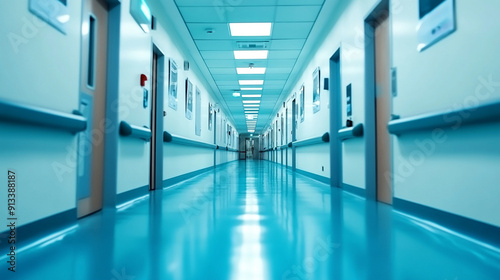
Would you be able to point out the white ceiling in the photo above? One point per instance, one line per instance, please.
(292, 22)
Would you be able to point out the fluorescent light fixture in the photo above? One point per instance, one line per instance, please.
(250, 117)
(236, 94)
(253, 88)
(251, 82)
(252, 112)
(251, 71)
(250, 54)
(251, 95)
(251, 105)
(251, 130)
(250, 29)
(251, 101)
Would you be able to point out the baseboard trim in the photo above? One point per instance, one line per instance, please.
(224, 163)
(172, 181)
(131, 194)
(354, 190)
(40, 228)
(316, 177)
(478, 230)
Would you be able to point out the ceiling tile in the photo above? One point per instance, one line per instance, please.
(230, 83)
(201, 14)
(297, 13)
(251, 14)
(293, 44)
(225, 77)
(215, 45)
(281, 63)
(223, 71)
(220, 63)
(288, 54)
(217, 54)
(277, 70)
(292, 30)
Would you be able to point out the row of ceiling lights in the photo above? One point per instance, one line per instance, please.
(251, 105)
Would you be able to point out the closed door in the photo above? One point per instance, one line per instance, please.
(383, 111)
(92, 103)
(286, 135)
(336, 170)
(294, 131)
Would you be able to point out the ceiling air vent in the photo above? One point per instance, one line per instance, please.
(253, 45)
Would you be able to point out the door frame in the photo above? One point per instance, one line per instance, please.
(370, 129)
(157, 98)
(112, 95)
(336, 178)
(294, 132)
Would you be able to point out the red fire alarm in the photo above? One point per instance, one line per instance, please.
(144, 78)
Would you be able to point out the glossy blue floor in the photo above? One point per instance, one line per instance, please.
(253, 220)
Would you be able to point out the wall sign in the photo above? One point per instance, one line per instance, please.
(437, 20)
(141, 13)
(189, 99)
(316, 91)
(54, 12)
(349, 105)
(301, 103)
(172, 85)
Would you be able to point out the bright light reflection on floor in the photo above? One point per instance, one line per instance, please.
(248, 253)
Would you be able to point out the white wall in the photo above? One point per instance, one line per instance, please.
(135, 59)
(452, 170)
(40, 67)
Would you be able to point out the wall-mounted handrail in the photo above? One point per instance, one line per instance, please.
(170, 138)
(135, 131)
(283, 147)
(231, 149)
(350, 132)
(472, 115)
(21, 113)
(325, 138)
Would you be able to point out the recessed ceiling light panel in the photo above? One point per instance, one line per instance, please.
(251, 95)
(251, 71)
(251, 82)
(251, 101)
(257, 88)
(250, 29)
(250, 54)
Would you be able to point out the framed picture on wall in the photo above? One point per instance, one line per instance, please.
(189, 99)
(210, 116)
(316, 91)
(172, 85)
(301, 103)
(197, 113)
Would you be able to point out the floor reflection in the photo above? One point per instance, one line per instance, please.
(253, 220)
